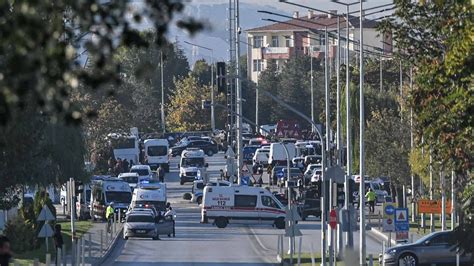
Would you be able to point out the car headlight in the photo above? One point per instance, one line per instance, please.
(391, 251)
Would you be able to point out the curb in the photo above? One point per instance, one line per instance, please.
(109, 250)
(382, 235)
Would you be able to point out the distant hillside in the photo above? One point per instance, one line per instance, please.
(216, 37)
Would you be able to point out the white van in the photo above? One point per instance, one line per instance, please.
(198, 187)
(241, 204)
(261, 157)
(192, 165)
(143, 171)
(156, 153)
(106, 191)
(150, 194)
(278, 153)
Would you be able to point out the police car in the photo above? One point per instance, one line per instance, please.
(241, 204)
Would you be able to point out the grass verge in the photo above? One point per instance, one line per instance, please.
(28, 257)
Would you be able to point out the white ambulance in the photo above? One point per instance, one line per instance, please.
(149, 194)
(156, 153)
(241, 204)
(106, 191)
(192, 166)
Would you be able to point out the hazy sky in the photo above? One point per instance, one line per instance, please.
(319, 4)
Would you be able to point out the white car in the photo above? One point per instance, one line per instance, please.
(261, 156)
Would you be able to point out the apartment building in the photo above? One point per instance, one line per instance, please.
(304, 35)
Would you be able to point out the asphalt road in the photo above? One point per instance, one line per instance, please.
(205, 244)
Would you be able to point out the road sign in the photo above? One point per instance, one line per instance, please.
(335, 173)
(280, 174)
(292, 215)
(432, 206)
(46, 231)
(402, 225)
(45, 214)
(388, 223)
(401, 215)
(389, 209)
(291, 231)
(333, 219)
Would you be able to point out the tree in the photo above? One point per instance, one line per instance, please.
(387, 145)
(436, 38)
(269, 80)
(47, 37)
(185, 108)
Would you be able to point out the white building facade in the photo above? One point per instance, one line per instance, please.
(301, 35)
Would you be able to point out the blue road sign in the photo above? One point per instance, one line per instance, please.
(280, 174)
(402, 227)
(389, 209)
(401, 215)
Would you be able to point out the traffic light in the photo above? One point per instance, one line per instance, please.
(221, 77)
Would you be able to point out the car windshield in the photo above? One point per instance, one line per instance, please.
(140, 172)
(118, 196)
(130, 179)
(157, 151)
(192, 162)
(140, 219)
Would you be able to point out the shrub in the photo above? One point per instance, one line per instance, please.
(187, 196)
(22, 235)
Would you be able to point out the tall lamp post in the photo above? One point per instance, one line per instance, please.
(213, 120)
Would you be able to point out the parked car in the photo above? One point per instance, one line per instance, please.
(209, 147)
(432, 249)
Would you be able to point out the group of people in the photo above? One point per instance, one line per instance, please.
(119, 166)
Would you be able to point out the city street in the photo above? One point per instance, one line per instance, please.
(205, 244)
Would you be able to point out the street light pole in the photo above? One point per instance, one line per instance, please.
(338, 95)
(328, 133)
(361, 141)
(163, 123)
(312, 88)
(238, 89)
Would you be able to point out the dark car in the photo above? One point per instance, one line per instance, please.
(295, 173)
(209, 147)
(248, 153)
(434, 248)
(310, 203)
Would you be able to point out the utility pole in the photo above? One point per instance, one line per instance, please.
(328, 157)
(238, 90)
(453, 200)
(213, 119)
(257, 127)
(349, 234)
(163, 123)
(338, 95)
(312, 89)
(361, 141)
(443, 200)
(381, 72)
(432, 225)
(413, 205)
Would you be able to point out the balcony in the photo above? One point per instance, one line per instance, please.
(277, 52)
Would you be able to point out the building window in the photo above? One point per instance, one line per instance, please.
(257, 41)
(288, 41)
(257, 65)
(275, 42)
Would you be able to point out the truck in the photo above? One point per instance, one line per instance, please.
(106, 191)
(125, 146)
(278, 155)
(153, 194)
(192, 166)
(156, 153)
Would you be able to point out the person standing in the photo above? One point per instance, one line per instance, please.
(126, 165)
(171, 213)
(58, 239)
(5, 251)
(109, 215)
(161, 173)
(371, 197)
